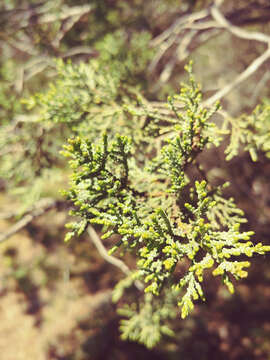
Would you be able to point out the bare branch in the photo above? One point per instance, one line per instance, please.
(171, 36)
(259, 86)
(66, 13)
(79, 50)
(8, 214)
(239, 79)
(40, 208)
(181, 54)
(222, 21)
(203, 25)
(110, 259)
(219, 17)
(163, 48)
(66, 25)
(177, 26)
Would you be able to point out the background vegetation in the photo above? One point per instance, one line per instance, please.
(56, 296)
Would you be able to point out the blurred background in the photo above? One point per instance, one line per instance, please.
(55, 298)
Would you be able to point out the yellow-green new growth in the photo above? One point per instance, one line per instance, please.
(141, 193)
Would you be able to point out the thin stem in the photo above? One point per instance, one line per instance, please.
(41, 207)
(110, 259)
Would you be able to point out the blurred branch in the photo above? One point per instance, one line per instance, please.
(8, 214)
(162, 50)
(181, 54)
(221, 20)
(79, 50)
(240, 78)
(66, 25)
(253, 67)
(39, 14)
(178, 25)
(110, 259)
(16, 20)
(66, 13)
(30, 69)
(22, 45)
(260, 85)
(188, 32)
(171, 36)
(40, 208)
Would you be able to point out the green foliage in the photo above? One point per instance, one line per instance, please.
(136, 166)
(94, 91)
(9, 103)
(30, 164)
(159, 212)
(145, 322)
(252, 132)
(84, 95)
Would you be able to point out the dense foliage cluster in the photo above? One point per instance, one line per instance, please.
(136, 166)
(160, 212)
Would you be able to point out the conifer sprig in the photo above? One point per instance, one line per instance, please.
(157, 210)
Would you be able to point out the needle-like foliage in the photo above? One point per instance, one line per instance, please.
(158, 211)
